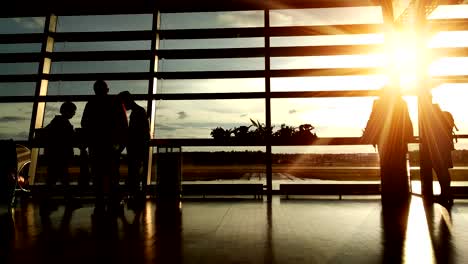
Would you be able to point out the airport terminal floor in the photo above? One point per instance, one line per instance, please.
(325, 230)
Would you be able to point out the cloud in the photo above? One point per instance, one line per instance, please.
(243, 115)
(244, 19)
(30, 22)
(292, 111)
(12, 119)
(182, 115)
(166, 127)
(16, 136)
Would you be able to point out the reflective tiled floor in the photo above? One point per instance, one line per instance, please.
(241, 231)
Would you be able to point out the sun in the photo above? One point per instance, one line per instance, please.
(406, 59)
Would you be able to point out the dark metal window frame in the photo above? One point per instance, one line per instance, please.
(49, 35)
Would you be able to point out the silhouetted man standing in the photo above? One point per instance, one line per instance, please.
(137, 146)
(390, 128)
(105, 123)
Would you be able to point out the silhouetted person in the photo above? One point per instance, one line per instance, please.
(137, 147)
(440, 146)
(59, 150)
(8, 172)
(390, 128)
(105, 123)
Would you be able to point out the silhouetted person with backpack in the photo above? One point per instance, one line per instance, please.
(137, 147)
(59, 151)
(390, 129)
(105, 125)
(440, 146)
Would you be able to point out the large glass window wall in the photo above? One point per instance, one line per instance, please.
(228, 46)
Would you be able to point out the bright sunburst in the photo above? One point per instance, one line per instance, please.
(406, 58)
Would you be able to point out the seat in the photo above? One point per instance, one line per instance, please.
(23, 157)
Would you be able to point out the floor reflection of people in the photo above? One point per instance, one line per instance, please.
(390, 129)
(439, 221)
(168, 232)
(7, 235)
(394, 222)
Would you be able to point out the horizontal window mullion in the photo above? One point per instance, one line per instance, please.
(325, 72)
(20, 57)
(19, 78)
(326, 50)
(289, 31)
(315, 94)
(436, 25)
(210, 74)
(450, 52)
(451, 79)
(321, 141)
(102, 76)
(21, 38)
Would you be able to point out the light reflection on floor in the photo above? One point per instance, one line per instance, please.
(325, 230)
(418, 244)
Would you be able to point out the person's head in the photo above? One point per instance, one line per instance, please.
(389, 92)
(68, 109)
(101, 88)
(126, 98)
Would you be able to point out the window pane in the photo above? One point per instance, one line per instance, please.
(449, 66)
(196, 119)
(102, 46)
(85, 88)
(319, 164)
(211, 165)
(326, 16)
(221, 43)
(17, 89)
(100, 66)
(331, 117)
(20, 47)
(18, 68)
(235, 19)
(453, 98)
(449, 11)
(356, 39)
(449, 39)
(211, 86)
(104, 23)
(237, 64)
(19, 25)
(328, 83)
(318, 62)
(15, 120)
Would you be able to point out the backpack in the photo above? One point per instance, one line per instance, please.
(447, 117)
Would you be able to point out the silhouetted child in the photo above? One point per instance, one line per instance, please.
(59, 149)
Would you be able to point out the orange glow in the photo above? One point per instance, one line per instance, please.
(406, 58)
